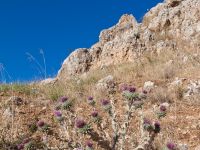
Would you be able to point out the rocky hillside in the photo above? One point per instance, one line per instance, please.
(171, 25)
(138, 88)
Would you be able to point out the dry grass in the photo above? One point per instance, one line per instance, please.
(150, 67)
(161, 95)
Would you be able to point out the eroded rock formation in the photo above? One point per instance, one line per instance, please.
(171, 25)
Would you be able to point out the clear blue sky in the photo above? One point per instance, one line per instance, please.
(56, 26)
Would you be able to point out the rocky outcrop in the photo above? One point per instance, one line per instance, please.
(172, 25)
(106, 84)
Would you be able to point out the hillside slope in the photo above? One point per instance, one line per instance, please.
(138, 88)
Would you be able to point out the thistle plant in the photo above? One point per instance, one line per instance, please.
(170, 146)
(20, 146)
(109, 107)
(151, 127)
(161, 112)
(133, 101)
(65, 117)
(26, 144)
(58, 115)
(42, 126)
(157, 127)
(32, 127)
(82, 126)
(65, 103)
(149, 131)
(29, 146)
(91, 101)
(106, 105)
(147, 125)
(95, 117)
(89, 145)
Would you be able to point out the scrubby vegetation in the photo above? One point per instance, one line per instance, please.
(76, 114)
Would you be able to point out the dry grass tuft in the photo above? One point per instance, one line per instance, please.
(161, 95)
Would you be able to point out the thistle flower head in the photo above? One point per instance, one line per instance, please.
(124, 87)
(105, 102)
(157, 127)
(144, 92)
(80, 123)
(57, 113)
(131, 89)
(90, 98)
(63, 99)
(147, 121)
(20, 146)
(40, 123)
(89, 144)
(162, 108)
(94, 113)
(25, 141)
(171, 146)
(157, 124)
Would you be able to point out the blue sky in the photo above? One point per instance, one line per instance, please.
(56, 26)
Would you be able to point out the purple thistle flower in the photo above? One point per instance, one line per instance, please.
(25, 141)
(162, 108)
(124, 87)
(40, 123)
(144, 92)
(20, 146)
(63, 99)
(89, 144)
(105, 102)
(157, 124)
(57, 113)
(147, 121)
(80, 123)
(157, 127)
(90, 98)
(131, 89)
(94, 113)
(171, 146)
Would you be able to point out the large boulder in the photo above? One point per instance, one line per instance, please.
(78, 62)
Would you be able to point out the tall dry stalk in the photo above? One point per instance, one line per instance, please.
(42, 69)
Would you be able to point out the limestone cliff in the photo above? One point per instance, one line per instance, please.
(171, 25)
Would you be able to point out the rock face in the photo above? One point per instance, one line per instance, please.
(106, 84)
(171, 25)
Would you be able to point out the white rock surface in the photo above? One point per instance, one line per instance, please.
(106, 83)
(193, 88)
(148, 86)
